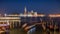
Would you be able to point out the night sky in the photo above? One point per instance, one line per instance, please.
(40, 6)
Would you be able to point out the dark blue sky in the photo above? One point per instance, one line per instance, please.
(40, 6)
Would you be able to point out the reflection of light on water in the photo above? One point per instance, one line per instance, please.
(31, 31)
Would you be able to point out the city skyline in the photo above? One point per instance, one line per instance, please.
(39, 6)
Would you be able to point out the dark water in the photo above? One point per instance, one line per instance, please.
(21, 31)
(17, 31)
(37, 20)
(33, 20)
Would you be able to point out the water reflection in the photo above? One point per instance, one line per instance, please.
(31, 31)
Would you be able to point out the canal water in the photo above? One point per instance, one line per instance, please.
(21, 31)
(17, 31)
(32, 20)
